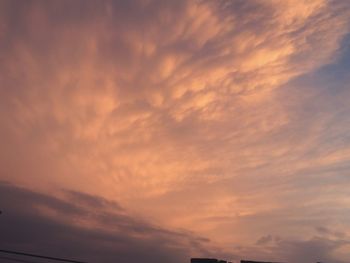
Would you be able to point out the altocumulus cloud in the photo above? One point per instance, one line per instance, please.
(186, 112)
(113, 91)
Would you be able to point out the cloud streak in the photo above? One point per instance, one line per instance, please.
(86, 227)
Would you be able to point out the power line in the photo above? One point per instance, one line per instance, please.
(17, 260)
(39, 256)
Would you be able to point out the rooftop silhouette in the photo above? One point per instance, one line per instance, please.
(207, 260)
(214, 260)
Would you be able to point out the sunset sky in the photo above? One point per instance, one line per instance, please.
(155, 131)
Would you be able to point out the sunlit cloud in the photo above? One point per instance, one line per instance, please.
(210, 116)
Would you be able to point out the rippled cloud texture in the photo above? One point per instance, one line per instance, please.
(223, 121)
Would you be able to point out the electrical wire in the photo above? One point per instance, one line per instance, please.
(39, 256)
(17, 260)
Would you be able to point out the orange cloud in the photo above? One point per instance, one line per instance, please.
(174, 108)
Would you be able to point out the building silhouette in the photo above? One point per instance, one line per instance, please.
(214, 260)
(204, 260)
(207, 260)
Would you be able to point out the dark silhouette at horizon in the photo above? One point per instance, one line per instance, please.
(207, 260)
(214, 260)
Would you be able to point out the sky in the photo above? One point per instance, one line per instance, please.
(155, 131)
